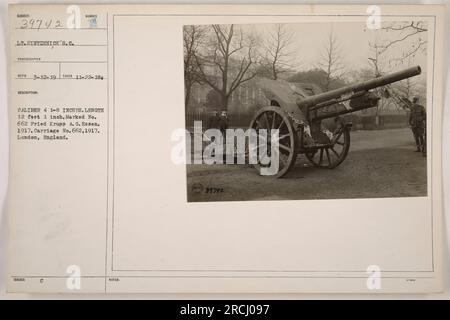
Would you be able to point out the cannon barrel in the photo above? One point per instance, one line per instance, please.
(358, 87)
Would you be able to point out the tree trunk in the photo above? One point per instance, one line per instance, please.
(274, 70)
(187, 96)
(224, 98)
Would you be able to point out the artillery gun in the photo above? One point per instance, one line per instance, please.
(300, 112)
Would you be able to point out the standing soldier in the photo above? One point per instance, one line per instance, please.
(223, 126)
(214, 121)
(218, 121)
(223, 122)
(417, 121)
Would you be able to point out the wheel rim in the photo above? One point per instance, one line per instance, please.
(269, 118)
(331, 155)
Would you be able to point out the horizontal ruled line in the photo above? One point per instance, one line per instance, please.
(39, 29)
(38, 61)
(88, 45)
(74, 45)
(226, 276)
(59, 79)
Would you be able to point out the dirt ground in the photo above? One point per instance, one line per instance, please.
(379, 164)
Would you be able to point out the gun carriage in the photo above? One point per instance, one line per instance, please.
(302, 115)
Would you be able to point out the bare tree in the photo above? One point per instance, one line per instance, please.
(331, 61)
(280, 56)
(409, 36)
(193, 37)
(376, 62)
(403, 91)
(230, 57)
(376, 58)
(407, 86)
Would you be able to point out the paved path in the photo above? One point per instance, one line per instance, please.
(379, 164)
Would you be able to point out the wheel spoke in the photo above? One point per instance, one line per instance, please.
(280, 156)
(267, 120)
(328, 156)
(254, 148)
(273, 119)
(282, 146)
(338, 135)
(262, 138)
(281, 123)
(339, 148)
(335, 152)
(283, 136)
(259, 142)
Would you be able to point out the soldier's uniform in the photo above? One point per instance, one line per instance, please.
(417, 121)
(214, 121)
(223, 122)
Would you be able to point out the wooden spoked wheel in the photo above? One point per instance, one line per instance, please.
(269, 118)
(331, 155)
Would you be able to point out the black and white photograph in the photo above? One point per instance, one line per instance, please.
(297, 111)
